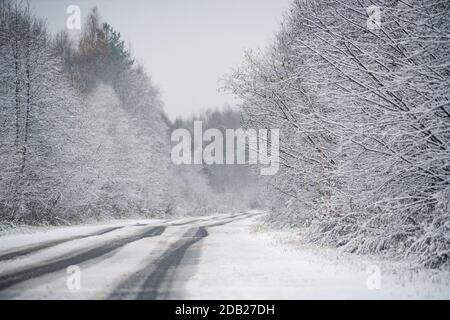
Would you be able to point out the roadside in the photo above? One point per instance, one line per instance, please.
(246, 260)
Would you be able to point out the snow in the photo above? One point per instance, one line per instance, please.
(240, 259)
(27, 235)
(99, 277)
(24, 236)
(274, 265)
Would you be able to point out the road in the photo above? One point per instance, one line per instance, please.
(214, 257)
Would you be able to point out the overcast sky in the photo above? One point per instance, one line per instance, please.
(185, 45)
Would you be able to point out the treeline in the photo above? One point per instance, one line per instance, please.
(83, 134)
(365, 124)
(238, 186)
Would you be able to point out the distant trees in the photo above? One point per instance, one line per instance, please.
(100, 55)
(365, 123)
(223, 187)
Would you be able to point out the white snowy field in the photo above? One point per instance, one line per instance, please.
(214, 257)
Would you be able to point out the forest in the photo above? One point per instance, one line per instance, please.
(84, 135)
(363, 113)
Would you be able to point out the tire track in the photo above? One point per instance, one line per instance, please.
(231, 219)
(146, 283)
(11, 279)
(40, 246)
(190, 221)
(171, 258)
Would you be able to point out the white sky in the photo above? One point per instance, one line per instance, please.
(185, 45)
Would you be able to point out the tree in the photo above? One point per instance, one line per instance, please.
(365, 120)
(37, 98)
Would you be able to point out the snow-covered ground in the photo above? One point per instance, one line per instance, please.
(245, 261)
(214, 257)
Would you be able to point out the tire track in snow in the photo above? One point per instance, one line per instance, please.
(170, 259)
(35, 271)
(218, 217)
(146, 283)
(12, 254)
(191, 221)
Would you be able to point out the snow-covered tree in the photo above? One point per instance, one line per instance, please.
(36, 111)
(365, 123)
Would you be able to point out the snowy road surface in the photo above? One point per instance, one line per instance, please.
(214, 257)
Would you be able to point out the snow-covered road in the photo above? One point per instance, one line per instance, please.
(214, 257)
